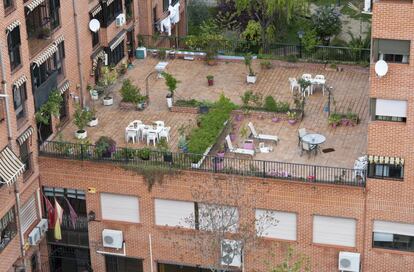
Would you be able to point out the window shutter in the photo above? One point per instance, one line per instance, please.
(397, 47)
(218, 217)
(120, 207)
(285, 227)
(393, 108)
(393, 228)
(28, 214)
(174, 213)
(334, 230)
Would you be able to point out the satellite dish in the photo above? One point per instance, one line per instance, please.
(381, 68)
(94, 25)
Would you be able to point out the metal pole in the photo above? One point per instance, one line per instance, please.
(79, 59)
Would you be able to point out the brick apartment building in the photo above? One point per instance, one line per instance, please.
(47, 45)
(320, 220)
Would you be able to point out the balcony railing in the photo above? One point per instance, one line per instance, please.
(77, 235)
(41, 93)
(185, 161)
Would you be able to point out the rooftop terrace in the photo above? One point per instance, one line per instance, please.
(350, 92)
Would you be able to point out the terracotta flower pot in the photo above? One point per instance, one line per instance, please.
(210, 82)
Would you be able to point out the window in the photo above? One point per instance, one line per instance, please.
(123, 264)
(120, 207)
(13, 42)
(397, 51)
(284, 229)
(26, 157)
(116, 55)
(174, 213)
(54, 7)
(8, 4)
(389, 110)
(8, 228)
(64, 107)
(19, 101)
(28, 213)
(217, 217)
(181, 268)
(58, 58)
(2, 108)
(392, 235)
(111, 11)
(129, 9)
(385, 171)
(334, 230)
(34, 262)
(75, 197)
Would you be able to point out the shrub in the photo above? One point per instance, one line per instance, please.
(266, 64)
(130, 92)
(275, 106)
(81, 117)
(291, 58)
(105, 146)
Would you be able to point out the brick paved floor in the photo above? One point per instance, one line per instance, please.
(350, 92)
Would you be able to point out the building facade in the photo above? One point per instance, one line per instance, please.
(47, 46)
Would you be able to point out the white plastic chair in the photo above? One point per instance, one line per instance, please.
(307, 147)
(159, 123)
(307, 76)
(320, 77)
(165, 133)
(131, 135)
(307, 90)
(293, 84)
(262, 136)
(301, 132)
(152, 136)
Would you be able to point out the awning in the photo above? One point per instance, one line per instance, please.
(99, 55)
(20, 81)
(65, 86)
(10, 166)
(32, 5)
(96, 10)
(60, 39)
(117, 40)
(25, 135)
(45, 55)
(12, 26)
(108, 2)
(385, 160)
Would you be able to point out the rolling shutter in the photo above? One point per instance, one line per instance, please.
(285, 227)
(174, 213)
(334, 230)
(120, 207)
(393, 108)
(393, 228)
(28, 214)
(218, 217)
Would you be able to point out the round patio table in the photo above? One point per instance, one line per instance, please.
(314, 138)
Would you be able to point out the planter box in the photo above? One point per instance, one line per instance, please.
(93, 122)
(108, 101)
(251, 79)
(81, 134)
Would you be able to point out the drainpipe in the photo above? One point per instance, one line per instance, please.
(75, 15)
(10, 140)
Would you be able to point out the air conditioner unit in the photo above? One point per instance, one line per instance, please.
(43, 226)
(231, 253)
(120, 20)
(112, 238)
(34, 236)
(349, 261)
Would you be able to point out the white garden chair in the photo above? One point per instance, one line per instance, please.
(238, 150)
(165, 133)
(152, 136)
(266, 137)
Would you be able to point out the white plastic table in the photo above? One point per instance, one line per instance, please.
(314, 138)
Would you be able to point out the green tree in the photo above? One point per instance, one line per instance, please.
(327, 23)
(292, 263)
(49, 109)
(309, 41)
(267, 12)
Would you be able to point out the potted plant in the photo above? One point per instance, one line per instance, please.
(123, 68)
(182, 144)
(251, 77)
(221, 152)
(142, 102)
(266, 65)
(292, 117)
(130, 95)
(210, 80)
(334, 119)
(162, 146)
(94, 119)
(171, 83)
(94, 93)
(108, 78)
(81, 117)
(144, 154)
(105, 147)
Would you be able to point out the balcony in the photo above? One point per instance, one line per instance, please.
(77, 236)
(42, 92)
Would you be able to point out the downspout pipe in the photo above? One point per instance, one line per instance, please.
(10, 141)
(78, 52)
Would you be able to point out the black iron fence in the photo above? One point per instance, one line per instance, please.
(278, 50)
(184, 161)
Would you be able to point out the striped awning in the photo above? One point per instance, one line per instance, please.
(12, 26)
(96, 10)
(25, 135)
(32, 5)
(65, 86)
(59, 39)
(46, 54)
(117, 40)
(108, 2)
(10, 166)
(20, 81)
(385, 160)
(100, 55)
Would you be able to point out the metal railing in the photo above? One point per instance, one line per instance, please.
(213, 164)
(281, 50)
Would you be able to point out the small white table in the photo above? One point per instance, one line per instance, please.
(314, 138)
(160, 67)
